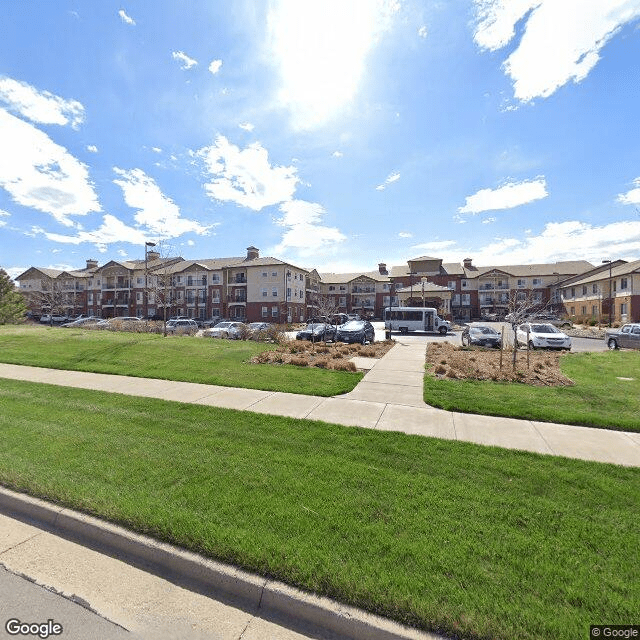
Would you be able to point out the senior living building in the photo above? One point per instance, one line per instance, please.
(253, 288)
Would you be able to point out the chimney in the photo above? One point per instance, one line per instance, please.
(467, 263)
(92, 264)
(152, 255)
(382, 268)
(252, 253)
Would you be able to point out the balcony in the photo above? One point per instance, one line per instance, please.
(240, 278)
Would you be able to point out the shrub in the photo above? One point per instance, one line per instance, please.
(322, 363)
(299, 361)
(441, 369)
(344, 366)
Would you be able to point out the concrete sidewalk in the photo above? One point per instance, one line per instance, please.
(388, 398)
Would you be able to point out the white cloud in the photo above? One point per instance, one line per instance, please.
(405, 234)
(125, 18)
(394, 177)
(337, 154)
(434, 247)
(39, 106)
(156, 149)
(92, 148)
(244, 176)
(633, 196)
(122, 253)
(186, 61)
(246, 126)
(215, 65)
(40, 174)
(156, 213)
(489, 220)
(422, 31)
(112, 230)
(571, 240)
(305, 235)
(509, 195)
(3, 214)
(321, 50)
(561, 42)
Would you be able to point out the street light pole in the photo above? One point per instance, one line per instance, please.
(146, 289)
(610, 292)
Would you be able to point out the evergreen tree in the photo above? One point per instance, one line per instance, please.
(12, 304)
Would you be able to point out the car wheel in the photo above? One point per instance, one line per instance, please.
(612, 344)
(363, 340)
(465, 341)
(531, 345)
(443, 331)
(404, 331)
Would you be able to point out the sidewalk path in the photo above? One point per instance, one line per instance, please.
(389, 398)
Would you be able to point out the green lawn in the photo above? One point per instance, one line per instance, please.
(598, 398)
(474, 541)
(185, 358)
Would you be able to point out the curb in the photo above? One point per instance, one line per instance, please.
(266, 598)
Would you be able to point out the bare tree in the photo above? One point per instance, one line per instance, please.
(161, 287)
(521, 308)
(52, 298)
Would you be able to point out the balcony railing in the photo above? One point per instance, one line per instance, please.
(240, 279)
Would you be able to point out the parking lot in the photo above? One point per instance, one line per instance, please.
(577, 344)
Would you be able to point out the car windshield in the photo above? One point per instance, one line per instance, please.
(353, 325)
(484, 330)
(223, 325)
(544, 328)
(315, 326)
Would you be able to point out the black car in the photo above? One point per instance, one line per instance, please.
(356, 331)
(481, 336)
(316, 331)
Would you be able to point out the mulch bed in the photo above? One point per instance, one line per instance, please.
(475, 363)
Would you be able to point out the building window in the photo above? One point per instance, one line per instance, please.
(594, 288)
(455, 301)
(215, 278)
(466, 299)
(573, 292)
(265, 312)
(332, 288)
(264, 293)
(537, 282)
(573, 311)
(522, 282)
(274, 292)
(584, 289)
(264, 274)
(139, 280)
(623, 309)
(274, 274)
(594, 310)
(584, 310)
(464, 284)
(288, 293)
(343, 301)
(451, 285)
(623, 283)
(274, 312)
(343, 288)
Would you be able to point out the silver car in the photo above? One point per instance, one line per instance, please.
(628, 337)
(225, 329)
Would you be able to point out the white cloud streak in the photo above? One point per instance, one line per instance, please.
(633, 196)
(244, 176)
(125, 18)
(41, 107)
(561, 42)
(246, 126)
(509, 195)
(40, 174)
(394, 177)
(184, 59)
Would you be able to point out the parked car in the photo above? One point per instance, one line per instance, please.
(112, 322)
(628, 336)
(550, 318)
(56, 318)
(317, 331)
(183, 325)
(356, 331)
(542, 335)
(481, 336)
(226, 329)
(82, 321)
(206, 324)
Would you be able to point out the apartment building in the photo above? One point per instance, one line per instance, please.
(608, 292)
(247, 288)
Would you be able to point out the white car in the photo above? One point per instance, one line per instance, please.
(182, 325)
(542, 336)
(224, 330)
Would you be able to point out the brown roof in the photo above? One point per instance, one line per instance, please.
(343, 278)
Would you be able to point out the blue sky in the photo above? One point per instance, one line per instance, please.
(334, 134)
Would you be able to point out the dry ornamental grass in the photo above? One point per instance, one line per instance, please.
(335, 356)
(474, 363)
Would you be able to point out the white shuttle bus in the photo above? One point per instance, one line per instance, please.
(405, 319)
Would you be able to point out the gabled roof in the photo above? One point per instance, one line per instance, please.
(564, 268)
(602, 273)
(32, 272)
(344, 278)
